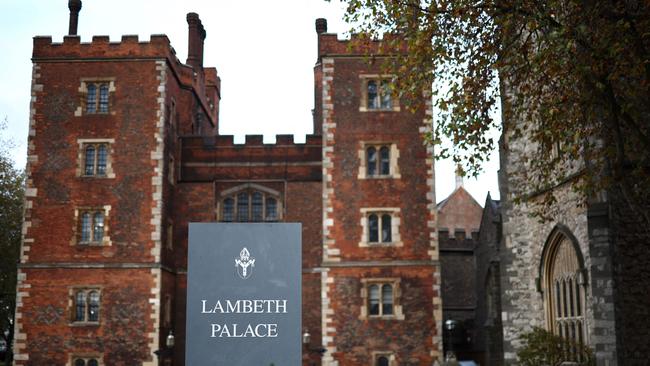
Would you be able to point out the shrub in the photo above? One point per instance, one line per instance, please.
(543, 348)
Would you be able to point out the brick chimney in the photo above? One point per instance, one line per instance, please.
(75, 7)
(321, 25)
(196, 34)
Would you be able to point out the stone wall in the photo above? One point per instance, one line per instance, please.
(525, 238)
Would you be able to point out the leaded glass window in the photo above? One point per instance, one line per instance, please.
(250, 205)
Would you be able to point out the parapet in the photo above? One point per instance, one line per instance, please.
(359, 44)
(101, 47)
(205, 157)
(459, 241)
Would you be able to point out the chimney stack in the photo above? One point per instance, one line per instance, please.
(75, 7)
(321, 25)
(196, 38)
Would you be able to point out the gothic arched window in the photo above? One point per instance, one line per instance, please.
(564, 288)
(249, 204)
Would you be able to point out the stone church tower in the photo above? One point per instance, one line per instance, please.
(124, 152)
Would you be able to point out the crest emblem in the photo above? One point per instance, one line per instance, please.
(244, 264)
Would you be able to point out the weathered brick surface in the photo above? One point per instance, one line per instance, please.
(349, 339)
(409, 339)
(120, 337)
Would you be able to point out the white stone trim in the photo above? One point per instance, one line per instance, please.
(86, 356)
(245, 186)
(22, 286)
(158, 158)
(328, 330)
(432, 226)
(330, 252)
(392, 361)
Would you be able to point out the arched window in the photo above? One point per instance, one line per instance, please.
(103, 98)
(93, 306)
(90, 160)
(380, 228)
(382, 361)
(564, 287)
(91, 97)
(249, 205)
(87, 303)
(384, 156)
(372, 161)
(85, 362)
(380, 299)
(91, 227)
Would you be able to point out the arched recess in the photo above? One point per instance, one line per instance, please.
(563, 284)
(249, 202)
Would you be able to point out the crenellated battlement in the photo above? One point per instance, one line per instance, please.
(101, 47)
(205, 157)
(459, 240)
(220, 141)
(329, 44)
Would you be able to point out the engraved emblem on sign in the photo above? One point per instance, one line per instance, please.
(244, 264)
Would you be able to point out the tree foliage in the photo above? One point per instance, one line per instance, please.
(572, 76)
(11, 216)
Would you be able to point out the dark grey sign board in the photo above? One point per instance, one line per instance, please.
(244, 295)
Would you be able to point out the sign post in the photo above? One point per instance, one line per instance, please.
(244, 295)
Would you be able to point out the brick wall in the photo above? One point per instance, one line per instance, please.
(350, 336)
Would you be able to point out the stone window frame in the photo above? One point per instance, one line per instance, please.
(398, 313)
(86, 357)
(76, 237)
(394, 212)
(81, 158)
(392, 361)
(82, 109)
(250, 188)
(393, 156)
(363, 104)
(564, 294)
(73, 291)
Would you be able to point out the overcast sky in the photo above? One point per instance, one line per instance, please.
(264, 52)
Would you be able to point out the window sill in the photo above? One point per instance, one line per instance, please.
(384, 317)
(84, 324)
(90, 244)
(386, 176)
(106, 176)
(392, 244)
(366, 109)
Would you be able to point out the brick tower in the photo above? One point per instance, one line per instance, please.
(380, 272)
(98, 269)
